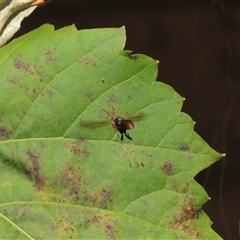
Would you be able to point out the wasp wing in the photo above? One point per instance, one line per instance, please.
(137, 117)
(94, 124)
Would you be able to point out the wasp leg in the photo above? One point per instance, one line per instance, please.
(121, 137)
(132, 149)
(127, 135)
(133, 153)
(125, 150)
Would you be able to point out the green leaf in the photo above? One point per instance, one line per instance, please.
(62, 177)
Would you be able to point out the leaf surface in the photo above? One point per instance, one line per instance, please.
(62, 179)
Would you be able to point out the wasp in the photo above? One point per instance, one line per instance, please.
(120, 124)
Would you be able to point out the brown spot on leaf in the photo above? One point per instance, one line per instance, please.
(88, 95)
(85, 151)
(184, 147)
(21, 65)
(43, 145)
(183, 226)
(167, 168)
(110, 229)
(48, 93)
(63, 225)
(100, 198)
(185, 188)
(4, 132)
(111, 100)
(97, 219)
(78, 148)
(34, 170)
(88, 61)
(174, 186)
(103, 80)
(71, 179)
(146, 153)
(13, 80)
(187, 212)
(49, 56)
(105, 197)
(34, 91)
(13, 163)
(142, 164)
(34, 159)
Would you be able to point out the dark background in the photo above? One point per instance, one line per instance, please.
(198, 45)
